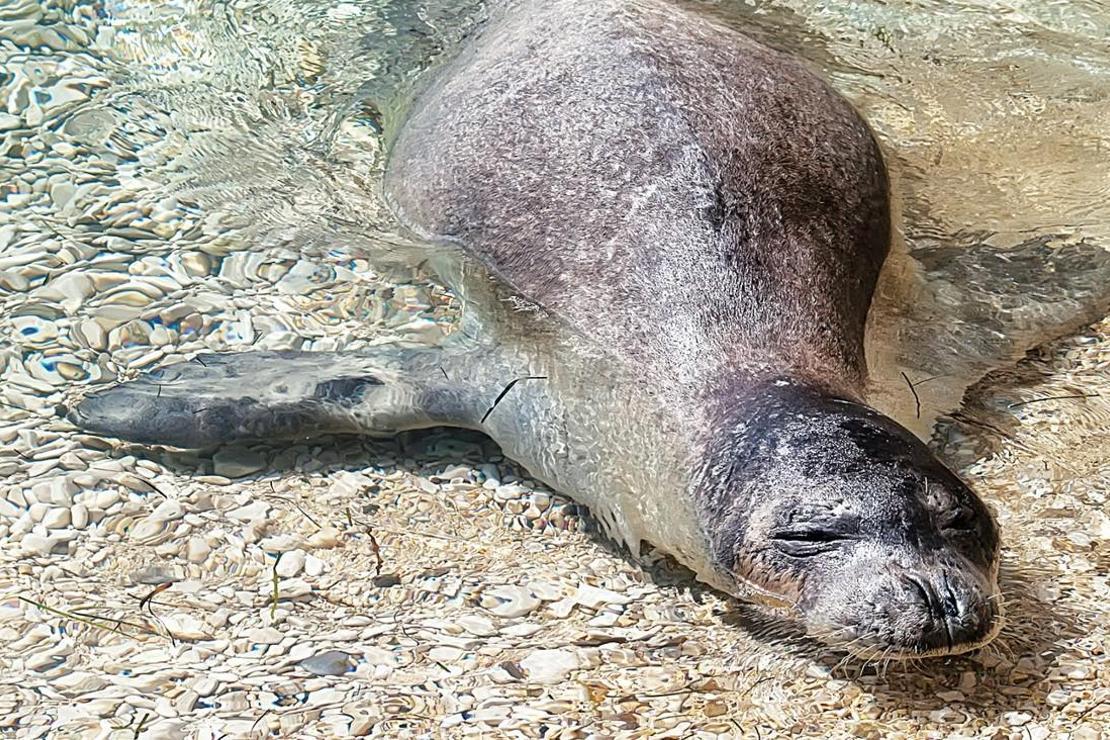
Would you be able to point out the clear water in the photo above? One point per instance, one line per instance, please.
(202, 175)
(192, 175)
(200, 145)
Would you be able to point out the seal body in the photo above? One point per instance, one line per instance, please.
(666, 237)
(712, 219)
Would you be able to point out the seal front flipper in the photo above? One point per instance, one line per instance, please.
(218, 398)
(948, 315)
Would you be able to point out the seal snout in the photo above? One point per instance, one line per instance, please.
(955, 616)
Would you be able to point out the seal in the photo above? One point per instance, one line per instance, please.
(667, 238)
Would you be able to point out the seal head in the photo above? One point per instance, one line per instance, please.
(832, 513)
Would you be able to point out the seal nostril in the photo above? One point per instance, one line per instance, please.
(951, 602)
(919, 587)
(939, 608)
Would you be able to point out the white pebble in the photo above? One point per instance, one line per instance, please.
(254, 511)
(550, 666)
(56, 518)
(265, 636)
(509, 601)
(79, 516)
(197, 550)
(37, 545)
(290, 564)
(167, 511)
(313, 566)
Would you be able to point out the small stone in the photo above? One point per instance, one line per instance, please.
(205, 686)
(197, 550)
(313, 566)
(106, 499)
(550, 666)
(1058, 698)
(361, 726)
(61, 490)
(386, 580)
(1016, 719)
(325, 538)
(36, 545)
(301, 650)
(1073, 671)
(445, 654)
(378, 656)
(562, 608)
(148, 531)
(79, 516)
(78, 682)
(37, 511)
(93, 334)
(345, 483)
(186, 701)
(509, 601)
(185, 627)
(290, 564)
(476, 625)
(331, 663)
(282, 543)
(155, 575)
(265, 636)
(167, 511)
(291, 589)
(593, 597)
(715, 708)
(56, 518)
(44, 662)
(524, 629)
(253, 512)
(62, 193)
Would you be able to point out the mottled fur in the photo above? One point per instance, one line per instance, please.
(700, 203)
(713, 214)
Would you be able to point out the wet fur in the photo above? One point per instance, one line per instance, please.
(716, 217)
(616, 184)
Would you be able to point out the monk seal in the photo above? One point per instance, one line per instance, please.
(667, 238)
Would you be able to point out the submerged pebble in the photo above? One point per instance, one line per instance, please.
(330, 663)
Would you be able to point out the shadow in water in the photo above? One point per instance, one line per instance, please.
(1009, 675)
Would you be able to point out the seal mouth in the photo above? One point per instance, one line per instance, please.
(870, 644)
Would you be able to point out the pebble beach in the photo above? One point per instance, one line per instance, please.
(423, 586)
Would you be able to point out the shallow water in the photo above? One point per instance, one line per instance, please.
(153, 146)
(199, 175)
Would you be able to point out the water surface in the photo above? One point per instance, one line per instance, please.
(201, 175)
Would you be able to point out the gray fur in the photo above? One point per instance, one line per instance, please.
(215, 399)
(678, 193)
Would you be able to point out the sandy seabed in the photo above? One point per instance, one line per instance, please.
(425, 586)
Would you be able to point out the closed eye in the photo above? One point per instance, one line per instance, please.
(808, 535)
(808, 542)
